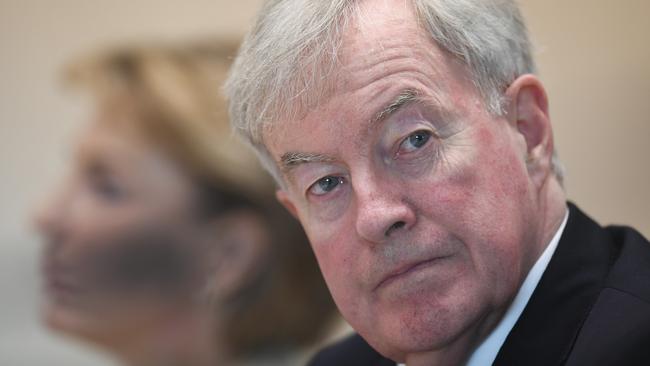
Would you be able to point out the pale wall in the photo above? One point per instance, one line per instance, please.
(594, 58)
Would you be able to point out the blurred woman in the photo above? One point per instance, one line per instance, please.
(165, 244)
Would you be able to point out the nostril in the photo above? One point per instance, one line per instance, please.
(395, 226)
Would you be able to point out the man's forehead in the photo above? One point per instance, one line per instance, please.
(377, 32)
(382, 32)
(382, 41)
(371, 15)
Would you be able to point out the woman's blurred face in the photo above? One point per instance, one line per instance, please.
(122, 237)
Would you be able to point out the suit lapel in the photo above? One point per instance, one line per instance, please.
(546, 330)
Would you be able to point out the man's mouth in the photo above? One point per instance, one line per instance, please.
(406, 270)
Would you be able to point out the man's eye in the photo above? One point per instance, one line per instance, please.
(325, 185)
(414, 141)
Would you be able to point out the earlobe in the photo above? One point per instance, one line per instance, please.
(528, 112)
(284, 199)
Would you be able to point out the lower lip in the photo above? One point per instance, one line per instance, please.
(55, 287)
(58, 283)
(410, 271)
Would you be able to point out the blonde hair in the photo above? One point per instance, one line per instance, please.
(173, 93)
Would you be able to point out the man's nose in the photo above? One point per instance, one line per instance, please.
(382, 210)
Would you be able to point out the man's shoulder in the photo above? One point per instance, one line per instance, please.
(617, 329)
(593, 299)
(351, 351)
(620, 253)
(630, 271)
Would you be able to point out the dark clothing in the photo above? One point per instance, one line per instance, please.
(591, 306)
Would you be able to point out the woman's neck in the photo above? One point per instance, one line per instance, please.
(184, 338)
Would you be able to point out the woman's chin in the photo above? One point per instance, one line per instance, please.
(63, 319)
(78, 323)
(104, 323)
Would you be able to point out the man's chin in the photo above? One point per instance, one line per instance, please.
(419, 330)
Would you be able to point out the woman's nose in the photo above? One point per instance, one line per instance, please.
(49, 215)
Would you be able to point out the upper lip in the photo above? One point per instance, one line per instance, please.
(405, 268)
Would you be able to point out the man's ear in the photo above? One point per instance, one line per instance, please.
(528, 114)
(284, 199)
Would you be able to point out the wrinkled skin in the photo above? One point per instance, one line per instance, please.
(424, 221)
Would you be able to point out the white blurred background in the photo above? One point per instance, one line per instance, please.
(594, 57)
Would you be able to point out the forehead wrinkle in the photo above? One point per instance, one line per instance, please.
(382, 64)
(373, 52)
(377, 62)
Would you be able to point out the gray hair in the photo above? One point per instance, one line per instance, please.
(283, 64)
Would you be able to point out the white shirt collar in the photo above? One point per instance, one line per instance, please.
(487, 351)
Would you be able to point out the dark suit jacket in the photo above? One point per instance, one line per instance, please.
(591, 306)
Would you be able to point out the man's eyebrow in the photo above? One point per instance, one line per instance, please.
(403, 98)
(290, 160)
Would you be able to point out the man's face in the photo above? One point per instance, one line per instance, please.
(416, 200)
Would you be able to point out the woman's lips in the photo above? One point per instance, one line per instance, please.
(59, 280)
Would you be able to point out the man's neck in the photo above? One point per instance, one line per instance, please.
(489, 347)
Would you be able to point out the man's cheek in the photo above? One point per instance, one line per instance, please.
(445, 197)
(339, 259)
